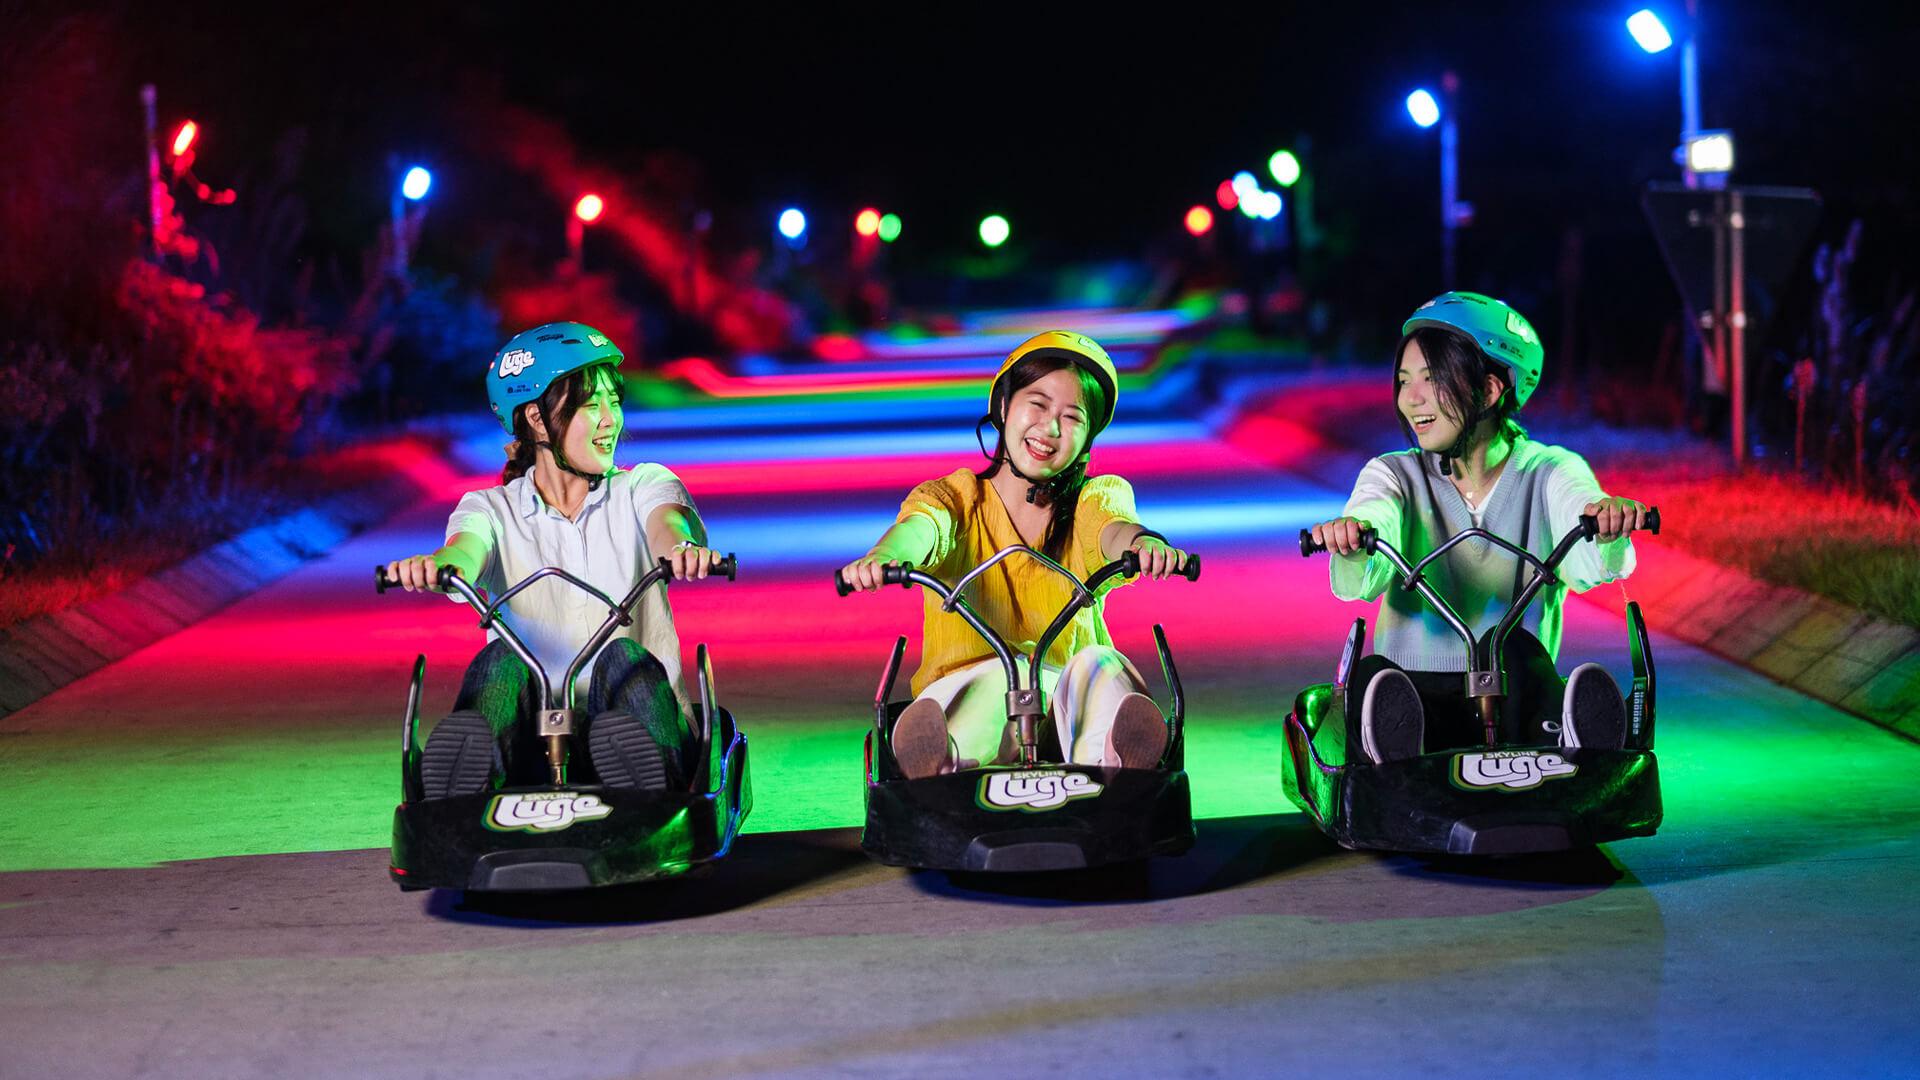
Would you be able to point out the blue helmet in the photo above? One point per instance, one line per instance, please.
(1502, 334)
(529, 363)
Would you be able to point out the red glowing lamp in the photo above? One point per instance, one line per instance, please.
(589, 208)
(184, 136)
(1226, 196)
(1199, 220)
(868, 222)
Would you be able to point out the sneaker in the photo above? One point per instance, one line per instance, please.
(1392, 720)
(1138, 738)
(625, 753)
(460, 758)
(1593, 714)
(921, 746)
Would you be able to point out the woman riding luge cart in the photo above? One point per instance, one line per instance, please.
(1017, 560)
(1474, 536)
(562, 535)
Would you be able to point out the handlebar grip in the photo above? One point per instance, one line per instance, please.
(381, 582)
(895, 574)
(840, 585)
(1191, 571)
(1129, 563)
(1308, 547)
(1590, 525)
(725, 564)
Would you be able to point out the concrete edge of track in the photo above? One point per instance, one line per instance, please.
(45, 653)
(1857, 662)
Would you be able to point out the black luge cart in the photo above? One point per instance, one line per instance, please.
(1491, 780)
(1039, 814)
(543, 832)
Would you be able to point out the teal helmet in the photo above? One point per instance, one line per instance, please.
(1501, 334)
(529, 363)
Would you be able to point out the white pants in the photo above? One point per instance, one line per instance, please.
(1083, 697)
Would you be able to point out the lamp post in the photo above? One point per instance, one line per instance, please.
(1426, 111)
(586, 210)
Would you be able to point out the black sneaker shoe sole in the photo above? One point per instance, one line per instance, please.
(1393, 723)
(458, 758)
(1593, 714)
(625, 753)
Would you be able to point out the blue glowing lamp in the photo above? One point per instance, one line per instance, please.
(1423, 108)
(415, 184)
(1648, 31)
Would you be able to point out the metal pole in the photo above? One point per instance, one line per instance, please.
(1449, 174)
(1689, 93)
(1737, 323)
(148, 98)
(576, 243)
(399, 215)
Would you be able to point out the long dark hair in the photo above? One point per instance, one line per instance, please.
(1459, 373)
(1062, 491)
(557, 405)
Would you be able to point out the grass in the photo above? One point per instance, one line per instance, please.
(170, 532)
(1789, 531)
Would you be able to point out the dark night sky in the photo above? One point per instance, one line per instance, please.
(1093, 131)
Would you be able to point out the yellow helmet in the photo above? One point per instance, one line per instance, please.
(1078, 349)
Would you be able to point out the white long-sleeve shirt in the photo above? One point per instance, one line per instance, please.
(1537, 499)
(605, 544)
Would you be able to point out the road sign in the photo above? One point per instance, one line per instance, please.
(1730, 250)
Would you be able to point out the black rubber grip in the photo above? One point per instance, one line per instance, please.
(896, 574)
(840, 585)
(1590, 525)
(381, 582)
(1308, 547)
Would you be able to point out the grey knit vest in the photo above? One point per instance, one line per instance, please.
(1478, 578)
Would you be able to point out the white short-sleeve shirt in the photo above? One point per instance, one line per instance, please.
(605, 545)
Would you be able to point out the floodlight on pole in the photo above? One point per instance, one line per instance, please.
(1710, 152)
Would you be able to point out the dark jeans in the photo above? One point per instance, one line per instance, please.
(1534, 690)
(501, 687)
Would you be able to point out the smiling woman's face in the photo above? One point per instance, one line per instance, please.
(595, 428)
(1047, 425)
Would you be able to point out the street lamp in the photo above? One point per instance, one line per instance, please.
(1427, 111)
(1652, 35)
(586, 210)
(410, 187)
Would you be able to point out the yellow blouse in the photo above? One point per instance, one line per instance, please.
(1018, 597)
